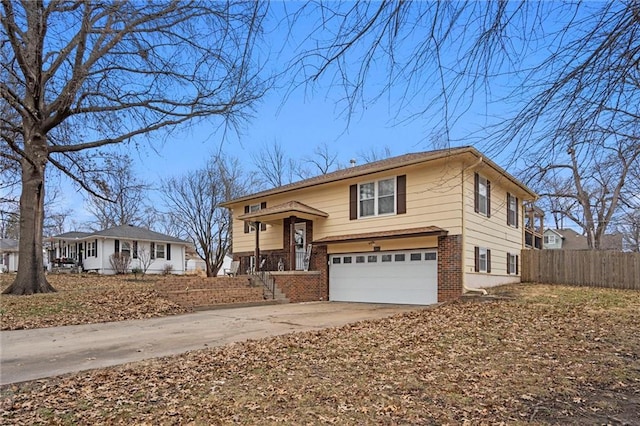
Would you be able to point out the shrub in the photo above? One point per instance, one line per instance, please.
(168, 268)
(120, 262)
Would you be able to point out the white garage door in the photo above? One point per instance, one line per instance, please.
(409, 276)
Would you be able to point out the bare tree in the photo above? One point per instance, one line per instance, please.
(83, 75)
(323, 160)
(194, 200)
(566, 71)
(275, 165)
(144, 258)
(587, 182)
(126, 195)
(374, 154)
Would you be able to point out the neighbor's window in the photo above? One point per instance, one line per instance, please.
(482, 195)
(377, 198)
(512, 210)
(550, 239)
(159, 251)
(125, 248)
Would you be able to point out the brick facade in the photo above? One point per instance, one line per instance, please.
(194, 292)
(449, 267)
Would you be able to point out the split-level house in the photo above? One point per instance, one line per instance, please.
(418, 229)
(93, 250)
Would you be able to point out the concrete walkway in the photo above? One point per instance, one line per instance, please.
(47, 352)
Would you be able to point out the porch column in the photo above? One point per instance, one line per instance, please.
(257, 251)
(292, 243)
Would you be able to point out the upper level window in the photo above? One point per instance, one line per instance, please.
(550, 239)
(512, 210)
(250, 226)
(482, 195)
(377, 198)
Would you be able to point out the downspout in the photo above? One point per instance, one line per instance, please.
(466, 289)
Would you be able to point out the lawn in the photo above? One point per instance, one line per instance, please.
(83, 299)
(534, 355)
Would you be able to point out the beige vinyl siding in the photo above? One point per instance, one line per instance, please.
(385, 245)
(491, 232)
(433, 196)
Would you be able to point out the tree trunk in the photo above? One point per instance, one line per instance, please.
(31, 278)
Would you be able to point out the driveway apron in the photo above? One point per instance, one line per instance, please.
(47, 352)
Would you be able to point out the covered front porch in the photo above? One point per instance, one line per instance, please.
(297, 253)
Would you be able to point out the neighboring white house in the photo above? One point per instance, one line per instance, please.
(552, 239)
(8, 255)
(94, 251)
(196, 264)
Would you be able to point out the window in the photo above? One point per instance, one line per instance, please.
(482, 259)
(336, 260)
(386, 258)
(125, 249)
(159, 251)
(399, 257)
(512, 263)
(416, 256)
(359, 259)
(377, 198)
(347, 259)
(512, 210)
(372, 259)
(482, 192)
(550, 239)
(250, 226)
(430, 256)
(91, 249)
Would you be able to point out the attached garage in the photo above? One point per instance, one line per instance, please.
(404, 277)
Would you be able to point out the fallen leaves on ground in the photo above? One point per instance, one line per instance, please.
(540, 355)
(84, 299)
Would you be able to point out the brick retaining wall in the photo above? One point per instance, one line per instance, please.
(193, 292)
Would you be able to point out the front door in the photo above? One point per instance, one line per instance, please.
(300, 239)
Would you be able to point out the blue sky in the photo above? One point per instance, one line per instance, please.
(309, 117)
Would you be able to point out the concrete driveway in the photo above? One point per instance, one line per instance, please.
(47, 352)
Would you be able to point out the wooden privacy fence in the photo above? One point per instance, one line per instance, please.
(593, 268)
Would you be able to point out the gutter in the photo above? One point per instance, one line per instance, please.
(466, 289)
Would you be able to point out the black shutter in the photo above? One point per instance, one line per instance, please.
(488, 260)
(508, 263)
(517, 221)
(508, 211)
(96, 251)
(263, 226)
(401, 197)
(116, 248)
(517, 260)
(488, 198)
(476, 192)
(153, 250)
(246, 224)
(135, 249)
(353, 202)
(168, 251)
(476, 257)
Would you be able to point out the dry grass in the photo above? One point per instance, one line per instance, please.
(537, 355)
(83, 299)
